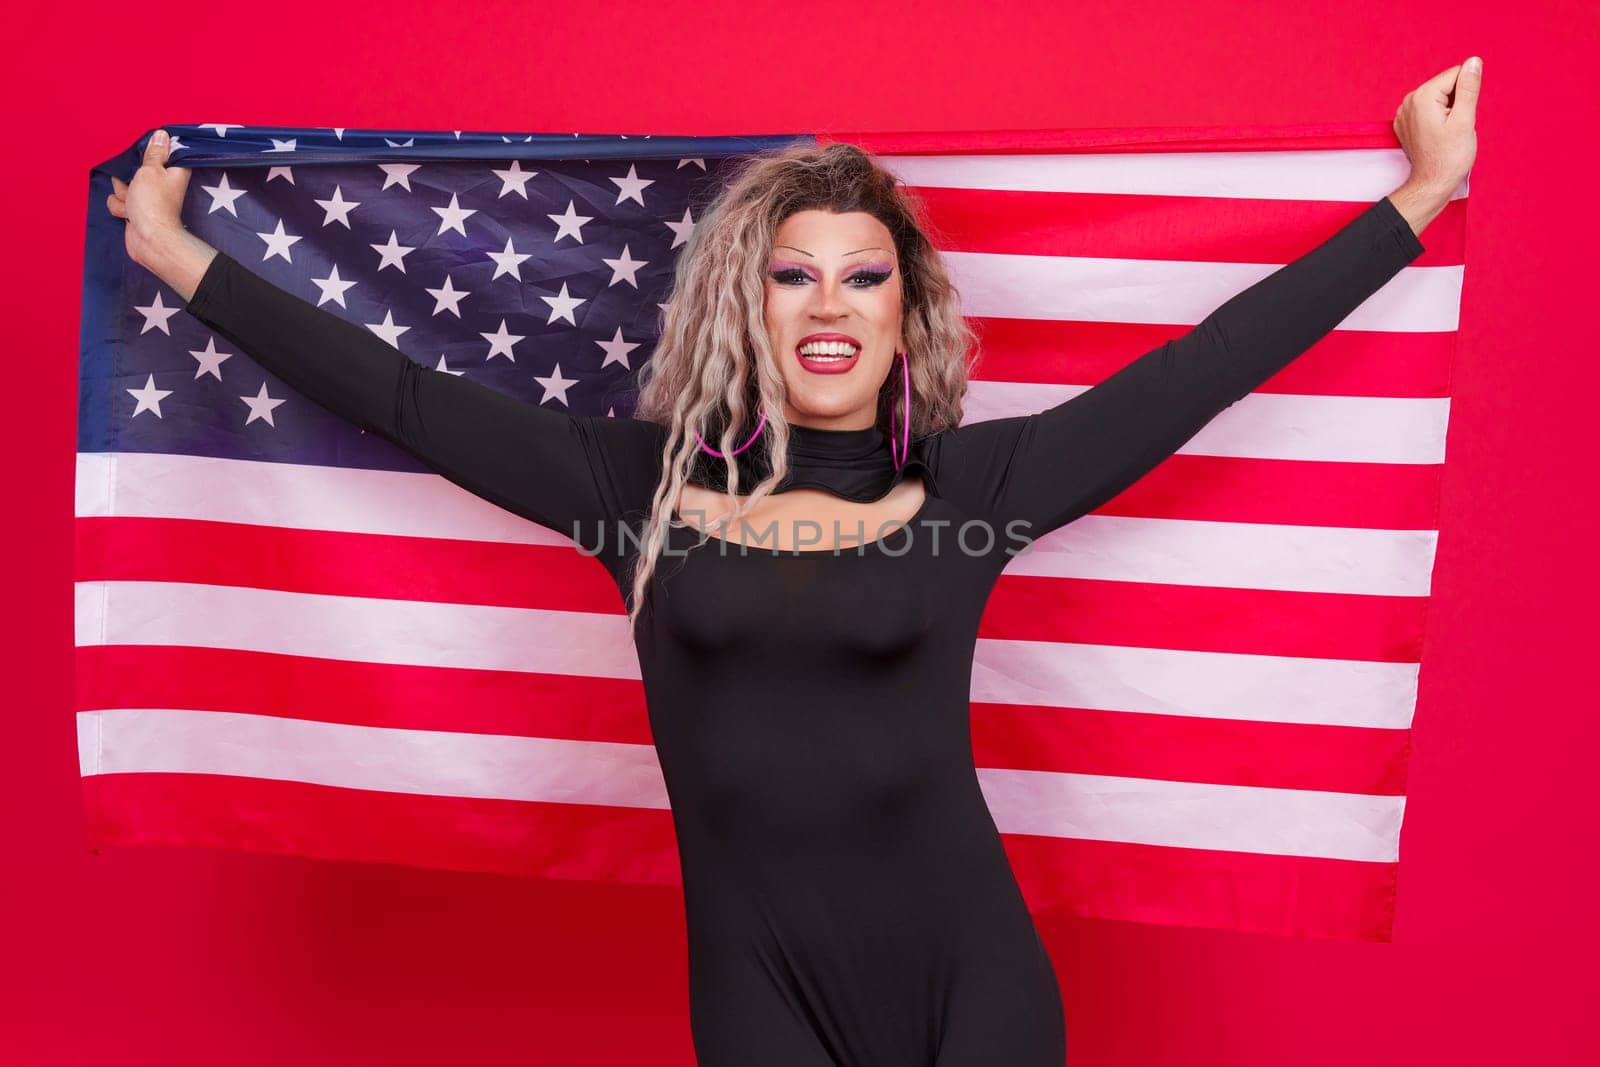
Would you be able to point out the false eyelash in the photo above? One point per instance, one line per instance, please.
(876, 277)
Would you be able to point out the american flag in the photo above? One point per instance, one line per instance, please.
(1191, 706)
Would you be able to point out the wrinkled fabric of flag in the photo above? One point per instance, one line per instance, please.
(293, 637)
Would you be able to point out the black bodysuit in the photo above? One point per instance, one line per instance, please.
(848, 900)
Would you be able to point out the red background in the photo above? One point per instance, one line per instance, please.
(155, 955)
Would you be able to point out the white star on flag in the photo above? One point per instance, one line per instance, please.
(278, 243)
(570, 224)
(555, 385)
(387, 329)
(617, 350)
(514, 179)
(333, 287)
(562, 306)
(632, 187)
(210, 359)
(625, 269)
(261, 406)
(448, 298)
(398, 174)
(338, 209)
(452, 216)
(500, 342)
(149, 397)
(394, 253)
(222, 196)
(508, 262)
(156, 315)
(681, 229)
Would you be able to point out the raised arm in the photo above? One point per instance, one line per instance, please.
(548, 466)
(562, 471)
(1048, 468)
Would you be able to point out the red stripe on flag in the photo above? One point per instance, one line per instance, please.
(362, 694)
(1273, 755)
(1268, 622)
(440, 570)
(1174, 228)
(588, 842)
(1343, 900)
(1344, 363)
(1373, 496)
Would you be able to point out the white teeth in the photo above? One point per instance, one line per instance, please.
(839, 349)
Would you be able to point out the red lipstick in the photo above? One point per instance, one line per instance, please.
(828, 366)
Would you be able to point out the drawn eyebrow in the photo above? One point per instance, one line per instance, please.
(803, 252)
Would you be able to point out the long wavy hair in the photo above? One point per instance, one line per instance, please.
(713, 371)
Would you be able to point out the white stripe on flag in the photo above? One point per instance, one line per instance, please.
(295, 496)
(428, 762)
(1165, 681)
(1352, 175)
(1235, 555)
(1175, 292)
(366, 629)
(1331, 429)
(1233, 818)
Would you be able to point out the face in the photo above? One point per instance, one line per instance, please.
(834, 274)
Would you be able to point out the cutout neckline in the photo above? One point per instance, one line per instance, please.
(847, 548)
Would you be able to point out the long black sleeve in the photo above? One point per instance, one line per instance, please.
(550, 467)
(1053, 466)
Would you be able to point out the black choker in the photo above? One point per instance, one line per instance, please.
(854, 464)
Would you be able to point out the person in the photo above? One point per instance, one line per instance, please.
(847, 897)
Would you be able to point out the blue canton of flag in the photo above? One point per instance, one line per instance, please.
(535, 264)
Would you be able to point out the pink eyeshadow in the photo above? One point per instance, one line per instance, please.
(782, 264)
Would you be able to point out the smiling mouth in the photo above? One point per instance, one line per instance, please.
(828, 351)
(830, 357)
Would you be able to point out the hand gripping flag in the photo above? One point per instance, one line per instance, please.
(293, 637)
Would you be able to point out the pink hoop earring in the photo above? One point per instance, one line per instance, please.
(742, 447)
(904, 453)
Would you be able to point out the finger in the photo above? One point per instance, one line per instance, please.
(156, 151)
(1442, 81)
(115, 207)
(1438, 87)
(119, 185)
(1468, 84)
